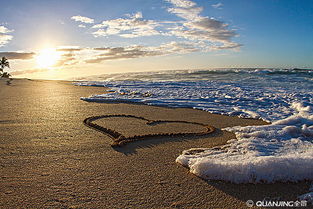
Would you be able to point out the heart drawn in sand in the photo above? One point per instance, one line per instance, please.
(119, 139)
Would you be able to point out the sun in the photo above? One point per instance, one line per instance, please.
(47, 58)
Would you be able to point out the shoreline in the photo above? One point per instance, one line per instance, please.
(48, 158)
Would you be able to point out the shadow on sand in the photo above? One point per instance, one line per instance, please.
(131, 148)
(279, 191)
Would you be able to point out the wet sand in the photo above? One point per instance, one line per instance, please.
(50, 159)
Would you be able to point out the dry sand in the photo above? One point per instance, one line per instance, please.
(49, 159)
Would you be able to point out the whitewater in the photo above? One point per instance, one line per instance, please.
(280, 151)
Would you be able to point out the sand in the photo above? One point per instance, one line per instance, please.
(50, 159)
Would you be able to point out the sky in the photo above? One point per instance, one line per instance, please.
(65, 39)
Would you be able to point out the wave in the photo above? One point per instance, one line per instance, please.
(194, 75)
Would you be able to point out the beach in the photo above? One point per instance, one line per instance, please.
(50, 159)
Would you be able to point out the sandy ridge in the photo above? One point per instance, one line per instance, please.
(120, 140)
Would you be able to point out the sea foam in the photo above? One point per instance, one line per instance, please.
(281, 151)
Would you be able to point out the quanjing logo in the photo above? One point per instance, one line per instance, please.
(250, 203)
(264, 203)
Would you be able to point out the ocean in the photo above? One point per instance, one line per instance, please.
(280, 151)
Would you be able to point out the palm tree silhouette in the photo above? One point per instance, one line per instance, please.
(6, 75)
(4, 63)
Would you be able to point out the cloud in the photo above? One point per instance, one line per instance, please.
(115, 53)
(178, 47)
(21, 72)
(130, 27)
(4, 36)
(185, 9)
(228, 45)
(82, 26)
(205, 28)
(66, 59)
(69, 48)
(4, 39)
(122, 53)
(217, 6)
(83, 19)
(182, 3)
(186, 13)
(5, 30)
(17, 55)
(69, 55)
(102, 48)
(200, 28)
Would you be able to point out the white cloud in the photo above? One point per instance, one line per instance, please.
(217, 6)
(4, 37)
(191, 13)
(182, 3)
(98, 26)
(227, 45)
(82, 26)
(178, 47)
(5, 30)
(133, 26)
(200, 28)
(82, 19)
(138, 15)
